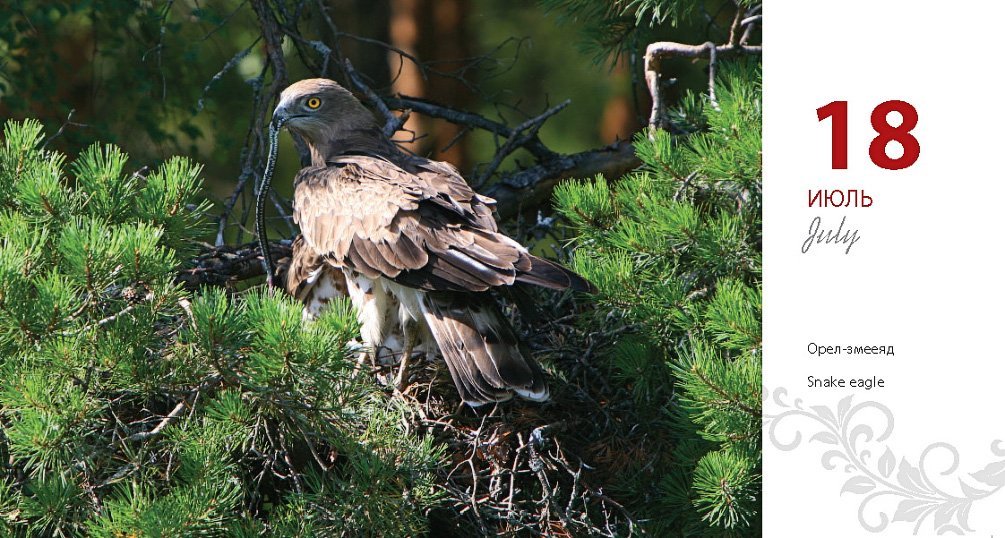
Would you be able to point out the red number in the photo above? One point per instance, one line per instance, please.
(838, 110)
(900, 134)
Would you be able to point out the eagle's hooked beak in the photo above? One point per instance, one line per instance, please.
(279, 117)
(286, 111)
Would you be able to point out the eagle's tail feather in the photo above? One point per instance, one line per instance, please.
(481, 350)
(552, 275)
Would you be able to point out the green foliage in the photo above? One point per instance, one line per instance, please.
(132, 407)
(675, 247)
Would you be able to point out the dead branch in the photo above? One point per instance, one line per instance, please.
(225, 264)
(522, 189)
(131, 466)
(392, 122)
(227, 67)
(252, 156)
(532, 186)
(69, 122)
(468, 119)
(753, 16)
(657, 52)
(177, 410)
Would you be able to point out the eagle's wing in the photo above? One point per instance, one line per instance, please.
(441, 178)
(422, 230)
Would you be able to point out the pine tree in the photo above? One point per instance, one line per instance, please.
(131, 407)
(675, 250)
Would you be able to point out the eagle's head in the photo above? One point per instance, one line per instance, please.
(320, 110)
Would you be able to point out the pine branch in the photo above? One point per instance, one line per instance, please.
(729, 398)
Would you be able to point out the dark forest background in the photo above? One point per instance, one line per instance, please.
(166, 78)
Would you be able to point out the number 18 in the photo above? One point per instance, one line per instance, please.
(838, 112)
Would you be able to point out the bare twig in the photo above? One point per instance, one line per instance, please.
(287, 219)
(470, 120)
(392, 122)
(236, 59)
(166, 421)
(711, 78)
(68, 122)
(101, 322)
(752, 16)
(177, 410)
(221, 221)
(734, 29)
(519, 136)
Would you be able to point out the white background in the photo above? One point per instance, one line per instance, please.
(926, 276)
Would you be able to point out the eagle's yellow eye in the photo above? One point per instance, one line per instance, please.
(313, 103)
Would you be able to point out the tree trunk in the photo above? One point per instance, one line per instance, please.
(406, 77)
(446, 41)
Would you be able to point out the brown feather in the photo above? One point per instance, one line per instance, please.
(480, 349)
(551, 275)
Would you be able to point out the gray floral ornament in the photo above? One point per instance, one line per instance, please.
(894, 490)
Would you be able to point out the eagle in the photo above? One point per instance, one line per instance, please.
(415, 248)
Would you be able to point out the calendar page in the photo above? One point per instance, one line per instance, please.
(882, 292)
(452, 268)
